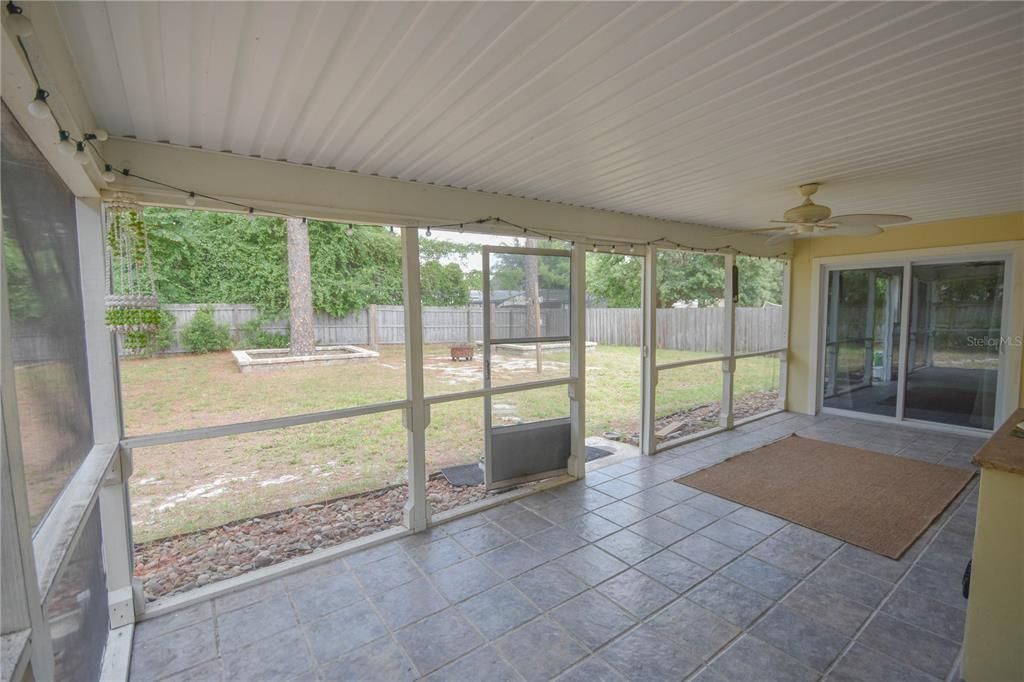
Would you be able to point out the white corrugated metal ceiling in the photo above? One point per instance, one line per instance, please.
(707, 112)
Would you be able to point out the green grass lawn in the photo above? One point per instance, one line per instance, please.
(187, 486)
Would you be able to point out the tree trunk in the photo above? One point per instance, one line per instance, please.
(532, 277)
(300, 289)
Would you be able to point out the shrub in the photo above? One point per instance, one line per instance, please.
(204, 335)
(165, 335)
(255, 336)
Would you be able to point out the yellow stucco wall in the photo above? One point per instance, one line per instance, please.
(987, 229)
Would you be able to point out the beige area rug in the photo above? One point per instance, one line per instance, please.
(879, 502)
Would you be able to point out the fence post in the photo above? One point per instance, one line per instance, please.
(371, 326)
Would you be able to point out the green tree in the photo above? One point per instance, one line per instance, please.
(443, 285)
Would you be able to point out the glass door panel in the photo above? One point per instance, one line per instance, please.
(862, 339)
(956, 327)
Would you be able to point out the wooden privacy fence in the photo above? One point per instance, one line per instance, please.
(693, 329)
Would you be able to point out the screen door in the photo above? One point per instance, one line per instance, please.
(527, 342)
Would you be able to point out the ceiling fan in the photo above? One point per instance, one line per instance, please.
(815, 220)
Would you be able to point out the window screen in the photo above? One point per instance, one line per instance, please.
(40, 251)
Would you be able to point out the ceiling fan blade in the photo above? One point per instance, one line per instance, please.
(856, 220)
(777, 237)
(768, 229)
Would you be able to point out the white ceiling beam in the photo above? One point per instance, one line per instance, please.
(327, 194)
(57, 75)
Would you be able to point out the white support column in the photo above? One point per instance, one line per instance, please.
(832, 325)
(417, 417)
(578, 363)
(787, 272)
(725, 418)
(115, 511)
(648, 351)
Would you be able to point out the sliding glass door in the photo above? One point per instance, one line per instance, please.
(956, 326)
(946, 371)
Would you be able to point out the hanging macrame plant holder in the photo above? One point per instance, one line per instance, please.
(133, 310)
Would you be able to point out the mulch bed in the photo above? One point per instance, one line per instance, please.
(183, 562)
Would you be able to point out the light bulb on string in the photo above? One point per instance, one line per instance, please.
(38, 106)
(252, 213)
(80, 155)
(190, 200)
(101, 134)
(110, 176)
(428, 230)
(66, 146)
(613, 248)
(17, 21)
(349, 231)
(632, 248)
(462, 228)
(391, 229)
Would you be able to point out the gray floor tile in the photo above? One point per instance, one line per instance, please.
(248, 595)
(244, 626)
(210, 671)
(372, 554)
(673, 571)
(472, 521)
(637, 593)
(379, 660)
(876, 565)
(591, 527)
(339, 632)
(484, 538)
(174, 651)
(944, 587)
(549, 585)
(408, 603)
(751, 659)
(386, 574)
(592, 618)
(861, 664)
(622, 513)
(433, 556)
(704, 551)
(280, 656)
(483, 664)
(593, 669)
(313, 574)
(498, 610)
(463, 580)
(926, 613)
(810, 541)
(657, 529)
(910, 645)
(330, 593)
(769, 580)
(561, 650)
(858, 586)
(732, 534)
(686, 516)
(438, 640)
(591, 564)
(703, 632)
(729, 600)
(756, 520)
(645, 654)
(786, 556)
(675, 491)
(504, 510)
(828, 608)
(802, 638)
(510, 560)
(155, 627)
(560, 511)
(554, 542)
(713, 504)
(628, 546)
(650, 501)
(617, 488)
(523, 524)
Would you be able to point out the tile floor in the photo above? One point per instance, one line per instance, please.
(629, 576)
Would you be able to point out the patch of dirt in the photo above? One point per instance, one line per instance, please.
(183, 562)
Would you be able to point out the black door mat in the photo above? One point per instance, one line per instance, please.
(473, 474)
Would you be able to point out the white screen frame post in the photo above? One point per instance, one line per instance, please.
(416, 416)
(649, 369)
